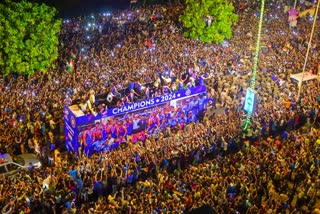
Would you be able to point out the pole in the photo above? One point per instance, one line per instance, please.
(255, 61)
(308, 49)
(295, 4)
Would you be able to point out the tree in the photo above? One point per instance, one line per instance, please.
(208, 20)
(28, 37)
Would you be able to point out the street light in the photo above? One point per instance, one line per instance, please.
(308, 49)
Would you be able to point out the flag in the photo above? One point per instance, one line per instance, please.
(177, 192)
(70, 66)
(73, 55)
(175, 153)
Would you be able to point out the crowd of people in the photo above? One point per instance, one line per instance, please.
(212, 163)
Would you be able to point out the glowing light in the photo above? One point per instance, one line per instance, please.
(249, 105)
(295, 32)
(225, 44)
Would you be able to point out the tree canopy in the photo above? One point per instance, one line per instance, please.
(28, 37)
(208, 20)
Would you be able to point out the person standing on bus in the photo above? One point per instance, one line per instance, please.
(87, 141)
(122, 130)
(153, 121)
(129, 127)
(113, 130)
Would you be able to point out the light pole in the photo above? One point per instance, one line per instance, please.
(308, 49)
(255, 61)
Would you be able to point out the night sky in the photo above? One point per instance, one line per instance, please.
(73, 8)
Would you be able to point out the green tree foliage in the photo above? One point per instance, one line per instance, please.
(28, 37)
(197, 16)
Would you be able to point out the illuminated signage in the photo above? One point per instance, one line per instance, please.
(250, 102)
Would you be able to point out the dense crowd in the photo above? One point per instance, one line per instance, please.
(211, 163)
